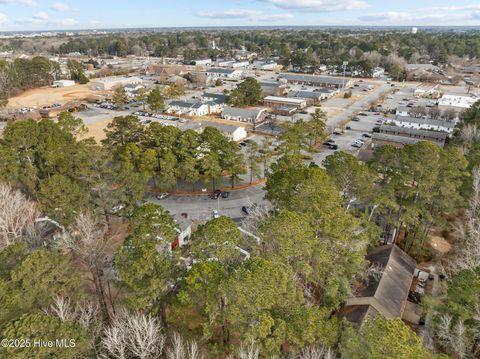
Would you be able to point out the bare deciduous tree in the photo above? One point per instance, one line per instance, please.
(180, 349)
(470, 133)
(467, 256)
(17, 215)
(316, 353)
(87, 240)
(133, 335)
(453, 337)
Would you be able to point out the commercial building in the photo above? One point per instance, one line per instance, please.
(427, 90)
(265, 65)
(63, 83)
(422, 123)
(109, 83)
(273, 88)
(378, 72)
(401, 136)
(283, 105)
(318, 81)
(202, 62)
(216, 73)
(457, 103)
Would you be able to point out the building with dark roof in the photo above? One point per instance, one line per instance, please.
(314, 80)
(386, 292)
(400, 136)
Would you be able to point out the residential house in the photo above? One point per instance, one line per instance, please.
(255, 115)
(386, 290)
(184, 231)
(232, 132)
(188, 108)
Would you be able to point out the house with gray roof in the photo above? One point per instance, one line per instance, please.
(385, 291)
(188, 108)
(253, 115)
(232, 132)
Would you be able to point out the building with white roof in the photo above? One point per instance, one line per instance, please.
(458, 103)
(109, 83)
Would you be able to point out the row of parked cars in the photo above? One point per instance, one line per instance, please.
(219, 193)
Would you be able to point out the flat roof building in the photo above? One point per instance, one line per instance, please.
(109, 83)
(314, 80)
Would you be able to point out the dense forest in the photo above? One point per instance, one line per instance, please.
(101, 271)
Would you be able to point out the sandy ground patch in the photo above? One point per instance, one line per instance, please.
(440, 244)
(48, 95)
(96, 130)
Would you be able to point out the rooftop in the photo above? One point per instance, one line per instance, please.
(313, 78)
(425, 121)
(457, 101)
(242, 112)
(412, 132)
(391, 290)
(284, 99)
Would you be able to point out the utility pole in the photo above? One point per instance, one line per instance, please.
(345, 63)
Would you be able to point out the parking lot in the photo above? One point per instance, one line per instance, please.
(353, 131)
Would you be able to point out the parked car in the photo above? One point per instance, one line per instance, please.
(215, 214)
(333, 147)
(215, 194)
(363, 114)
(225, 194)
(304, 112)
(367, 135)
(356, 119)
(356, 145)
(248, 209)
(162, 195)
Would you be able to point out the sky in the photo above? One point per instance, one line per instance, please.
(16, 15)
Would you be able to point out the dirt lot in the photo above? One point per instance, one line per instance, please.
(96, 130)
(48, 95)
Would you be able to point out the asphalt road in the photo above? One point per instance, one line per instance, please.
(200, 207)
